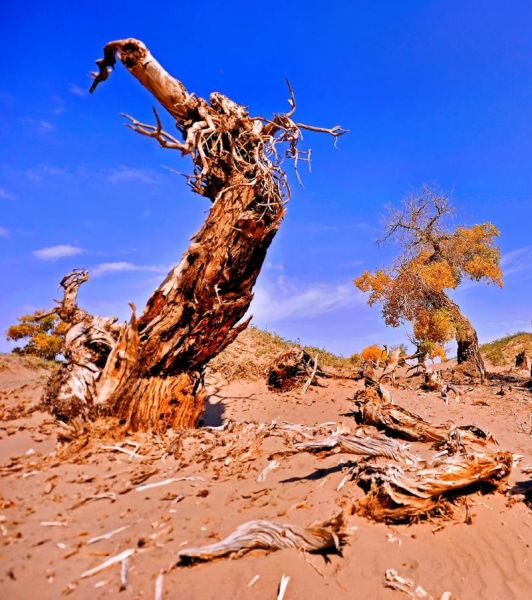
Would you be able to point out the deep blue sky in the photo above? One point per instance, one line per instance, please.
(432, 92)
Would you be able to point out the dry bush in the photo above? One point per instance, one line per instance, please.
(251, 355)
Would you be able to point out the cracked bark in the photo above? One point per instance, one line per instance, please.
(151, 375)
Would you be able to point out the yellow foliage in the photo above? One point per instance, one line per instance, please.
(438, 352)
(438, 276)
(373, 353)
(434, 260)
(375, 283)
(435, 325)
(43, 334)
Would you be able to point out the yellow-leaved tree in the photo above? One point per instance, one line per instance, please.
(434, 259)
(42, 332)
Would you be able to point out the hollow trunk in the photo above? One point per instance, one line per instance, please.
(148, 372)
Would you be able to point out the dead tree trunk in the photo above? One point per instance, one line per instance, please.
(152, 376)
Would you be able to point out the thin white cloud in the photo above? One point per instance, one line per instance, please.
(4, 232)
(58, 107)
(109, 268)
(517, 261)
(45, 126)
(42, 172)
(121, 174)
(283, 300)
(77, 90)
(39, 125)
(5, 195)
(59, 251)
(124, 174)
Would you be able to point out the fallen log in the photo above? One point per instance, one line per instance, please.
(269, 536)
(371, 409)
(358, 445)
(402, 494)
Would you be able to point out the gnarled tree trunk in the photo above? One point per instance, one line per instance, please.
(468, 351)
(151, 374)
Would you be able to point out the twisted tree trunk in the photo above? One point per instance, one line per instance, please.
(151, 375)
(468, 351)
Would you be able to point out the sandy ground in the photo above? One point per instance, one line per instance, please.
(53, 503)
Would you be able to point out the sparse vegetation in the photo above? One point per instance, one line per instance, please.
(251, 354)
(502, 351)
(27, 361)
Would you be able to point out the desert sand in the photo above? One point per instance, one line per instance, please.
(56, 498)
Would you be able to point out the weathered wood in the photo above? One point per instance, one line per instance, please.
(266, 535)
(151, 374)
(88, 342)
(468, 350)
(398, 494)
(292, 368)
(371, 409)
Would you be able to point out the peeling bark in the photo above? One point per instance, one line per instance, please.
(150, 376)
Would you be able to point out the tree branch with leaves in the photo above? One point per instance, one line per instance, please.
(434, 259)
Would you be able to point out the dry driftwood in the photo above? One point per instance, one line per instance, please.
(392, 362)
(148, 372)
(359, 445)
(399, 494)
(266, 535)
(371, 409)
(88, 342)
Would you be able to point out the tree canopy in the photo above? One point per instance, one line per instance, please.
(434, 258)
(42, 332)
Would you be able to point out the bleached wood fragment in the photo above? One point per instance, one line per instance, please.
(118, 558)
(149, 486)
(282, 587)
(266, 535)
(106, 536)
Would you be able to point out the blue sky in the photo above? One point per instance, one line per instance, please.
(432, 92)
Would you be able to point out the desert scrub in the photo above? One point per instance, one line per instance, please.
(502, 351)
